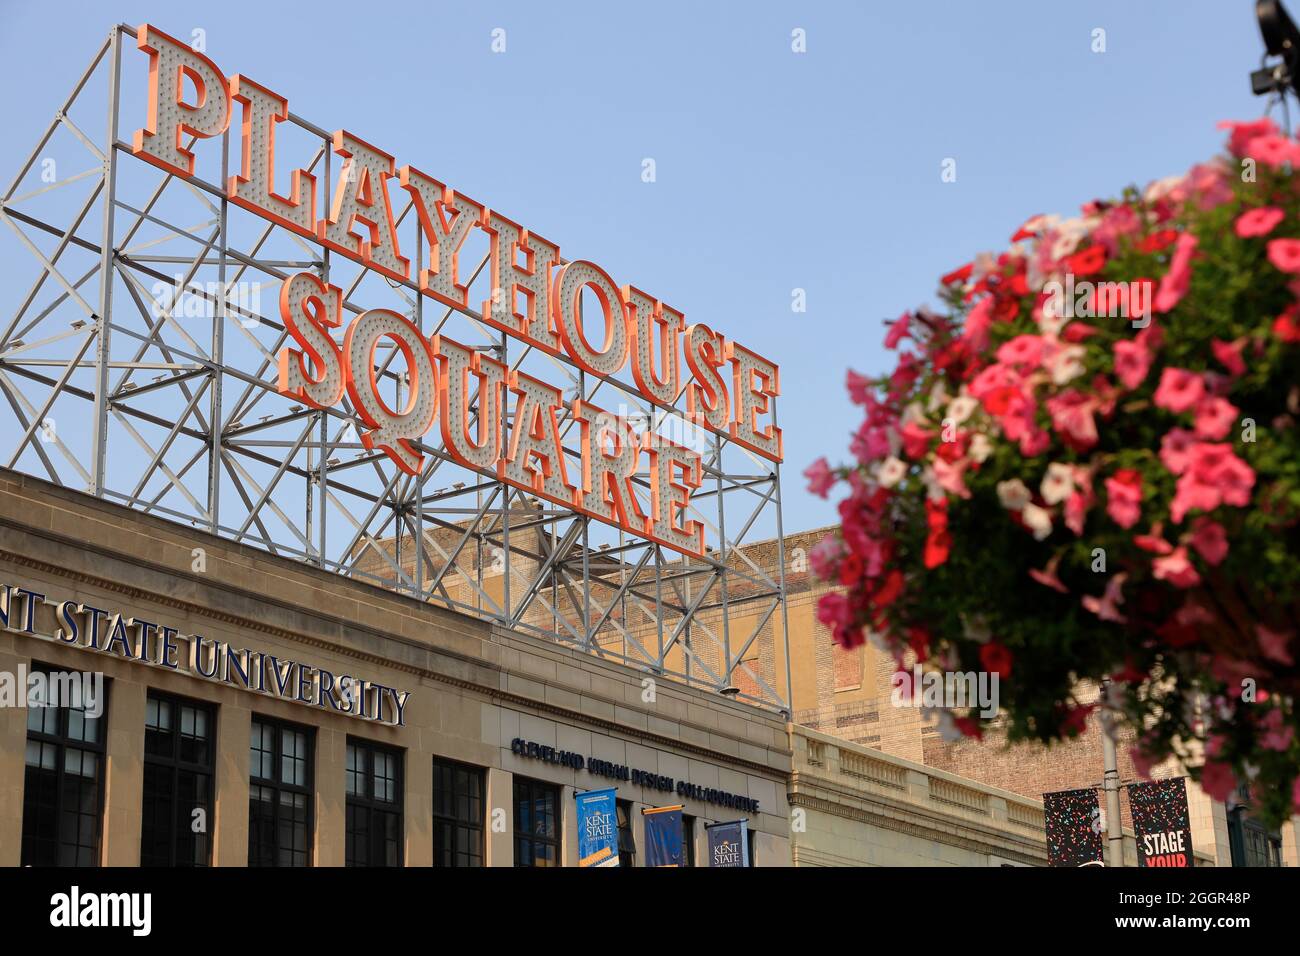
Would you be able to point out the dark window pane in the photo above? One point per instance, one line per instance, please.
(536, 809)
(374, 798)
(279, 799)
(63, 788)
(458, 814)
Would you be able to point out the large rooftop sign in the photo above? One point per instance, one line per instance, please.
(536, 298)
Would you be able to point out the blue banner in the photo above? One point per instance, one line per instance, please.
(729, 844)
(597, 828)
(663, 836)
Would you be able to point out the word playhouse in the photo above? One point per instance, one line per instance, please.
(535, 299)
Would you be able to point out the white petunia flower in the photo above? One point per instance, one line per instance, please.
(1066, 364)
(1058, 483)
(1013, 494)
(1037, 520)
(961, 408)
(890, 472)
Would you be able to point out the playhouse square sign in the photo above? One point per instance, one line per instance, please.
(535, 300)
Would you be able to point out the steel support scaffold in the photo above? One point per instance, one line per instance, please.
(139, 364)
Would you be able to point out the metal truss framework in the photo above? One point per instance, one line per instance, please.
(136, 368)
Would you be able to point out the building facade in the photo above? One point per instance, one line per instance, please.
(460, 748)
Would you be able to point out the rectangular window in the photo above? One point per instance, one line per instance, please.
(280, 794)
(688, 840)
(374, 807)
(626, 841)
(63, 791)
(537, 826)
(458, 813)
(176, 810)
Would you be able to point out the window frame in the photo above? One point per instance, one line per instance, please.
(176, 765)
(61, 741)
(479, 825)
(534, 788)
(276, 784)
(370, 803)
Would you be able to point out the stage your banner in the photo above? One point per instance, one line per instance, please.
(535, 299)
(663, 836)
(597, 828)
(1161, 822)
(728, 843)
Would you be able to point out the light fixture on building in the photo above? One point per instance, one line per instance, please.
(1281, 39)
(729, 691)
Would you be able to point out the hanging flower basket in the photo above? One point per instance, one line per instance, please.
(1085, 466)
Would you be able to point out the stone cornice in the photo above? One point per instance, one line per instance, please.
(901, 816)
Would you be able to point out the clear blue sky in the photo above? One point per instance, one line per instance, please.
(775, 170)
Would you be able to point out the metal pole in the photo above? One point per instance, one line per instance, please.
(1110, 785)
(107, 263)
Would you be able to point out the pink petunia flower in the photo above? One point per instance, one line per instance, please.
(1021, 350)
(1258, 222)
(1243, 132)
(1176, 569)
(1173, 286)
(859, 388)
(1210, 540)
(1218, 781)
(916, 440)
(951, 476)
(1072, 413)
(1275, 734)
(1124, 497)
(1285, 254)
(1175, 449)
(1286, 327)
(1106, 607)
(1228, 355)
(1048, 577)
(1214, 476)
(1179, 390)
(1274, 150)
(869, 443)
(898, 330)
(1132, 362)
(824, 555)
(1214, 417)
(820, 478)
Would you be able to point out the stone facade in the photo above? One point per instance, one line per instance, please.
(474, 687)
(853, 806)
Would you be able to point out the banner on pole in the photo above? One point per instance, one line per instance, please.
(597, 828)
(1073, 828)
(663, 836)
(729, 843)
(1161, 822)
